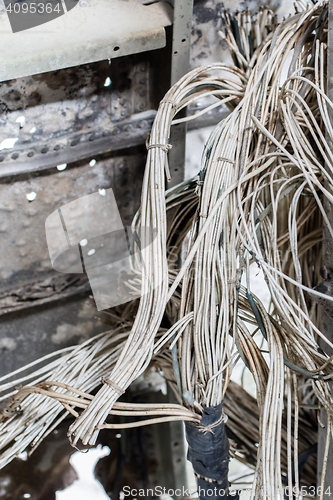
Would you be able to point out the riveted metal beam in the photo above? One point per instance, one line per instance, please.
(180, 65)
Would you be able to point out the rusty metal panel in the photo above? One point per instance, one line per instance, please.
(29, 334)
(41, 310)
(80, 118)
(206, 46)
(63, 116)
(23, 243)
(92, 31)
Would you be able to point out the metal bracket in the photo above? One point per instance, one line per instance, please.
(180, 65)
(76, 146)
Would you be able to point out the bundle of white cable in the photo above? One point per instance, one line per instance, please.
(139, 347)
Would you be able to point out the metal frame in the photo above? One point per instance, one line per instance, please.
(180, 65)
(92, 31)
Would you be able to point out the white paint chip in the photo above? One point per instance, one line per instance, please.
(91, 252)
(62, 166)
(23, 456)
(92, 163)
(33, 130)
(31, 196)
(86, 487)
(8, 343)
(21, 121)
(102, 192)
(83, 243)
(8, 143)
(107, 82)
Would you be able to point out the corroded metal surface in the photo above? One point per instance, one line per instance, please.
(24, 252)
(40, 292)
(180, 65)
(31, 333)
(63, 116)
(42, 310)
(92, 31)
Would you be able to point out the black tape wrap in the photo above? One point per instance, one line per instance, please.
(208, 451)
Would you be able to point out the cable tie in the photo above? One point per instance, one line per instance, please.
(169, 101)
(163, 147)
(221, 158)
(209, 428)
(199, 185)
(113, 385)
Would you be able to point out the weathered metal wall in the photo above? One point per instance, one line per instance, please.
(65, 117)
(41, 309)
(73, 113)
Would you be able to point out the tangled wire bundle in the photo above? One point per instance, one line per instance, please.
(258, 200)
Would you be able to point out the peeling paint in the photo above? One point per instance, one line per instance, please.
(67, 331)
(8, 344)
